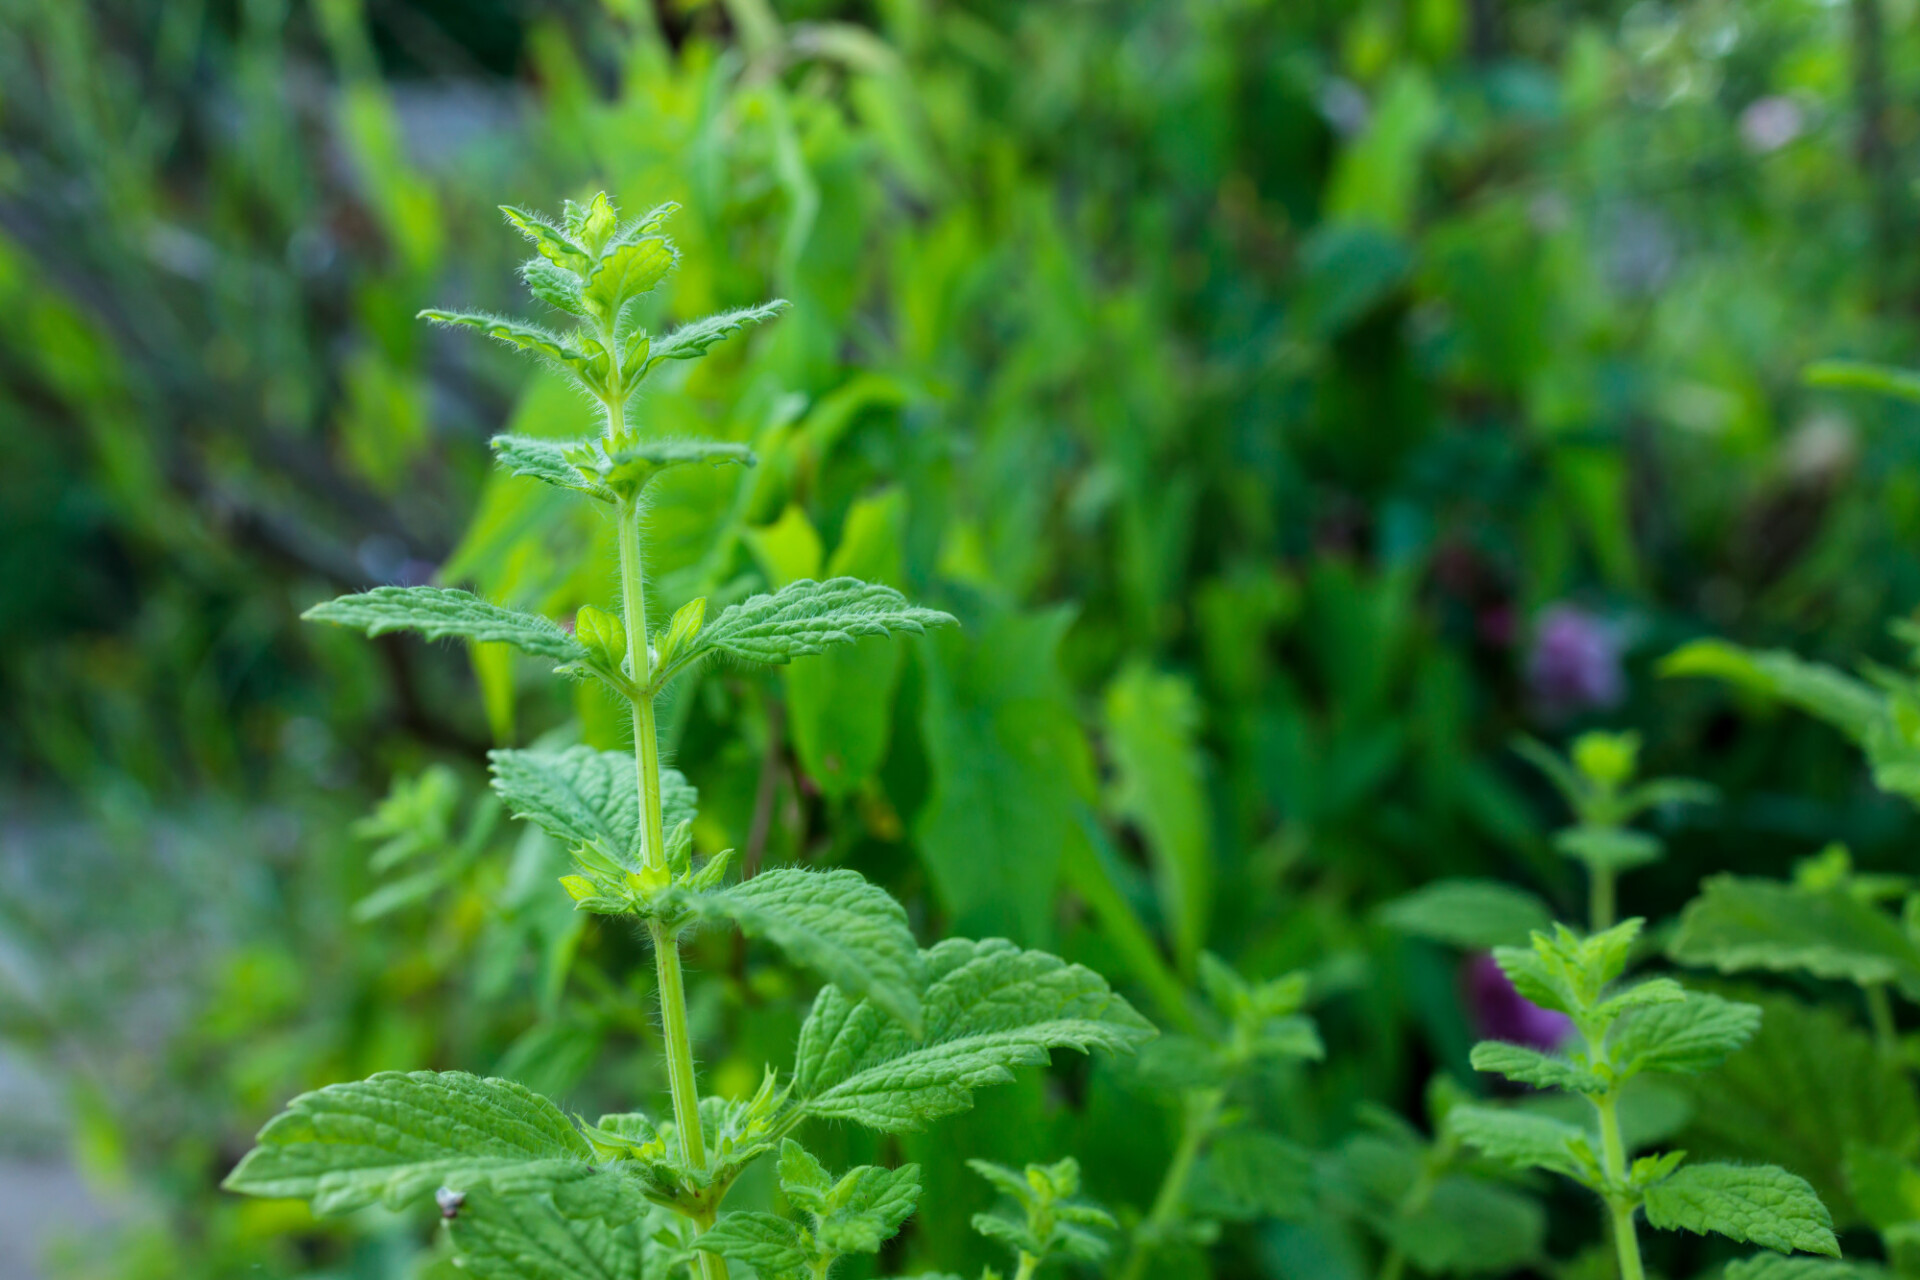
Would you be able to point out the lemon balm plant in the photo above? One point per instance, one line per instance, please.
(897, 1037)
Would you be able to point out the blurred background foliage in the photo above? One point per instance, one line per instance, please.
(1295, 401)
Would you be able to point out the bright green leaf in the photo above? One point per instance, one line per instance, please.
(852, 933)
(1686, 1037)
(1760, 1204)
(395, 1137)
(439, 613)
(988, 1007)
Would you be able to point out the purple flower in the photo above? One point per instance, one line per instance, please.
(1575, 662)
(1501, 1013)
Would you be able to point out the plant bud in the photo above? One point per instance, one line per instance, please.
(603, 634)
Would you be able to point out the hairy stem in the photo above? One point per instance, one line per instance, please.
(1621, 1205)
(676, 1043)
(1202, 1113)
(1028, 1265)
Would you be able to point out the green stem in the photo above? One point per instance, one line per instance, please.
(1602, 908)
(1621, 1205)
(1028, 1265)
(1880, 1013)
(676, 1042)
(1202, 1113)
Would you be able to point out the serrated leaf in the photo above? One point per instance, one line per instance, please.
(585, 1227)
(692, 340)
(1529, 1066)
(803, 1179)
(518, 333)
(870, 1204)
(1249, 1174)
(553, 285)
(1780, 1266)
(1474, 915)
(1523, 1139)
(852, 933)
(596, 223)
(1761, 1204)
(441, 613)
(1739, 923)
(546, 460)
(988, 1007)
(553, 246)
(627, 272)
(396, 1137)
(805, 617)
(584, 797)
(768, 1243)
(627, 465)
(1694, 1035)
(1638, 996)
(1807, 1087)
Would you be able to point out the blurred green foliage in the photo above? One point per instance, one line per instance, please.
(1295, 402)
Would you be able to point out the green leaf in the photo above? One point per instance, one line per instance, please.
(595, 225)
(1249, 1174)
(555, 286)
(805, 617)
(1525, 1140)
(396, 1137)
(440, 613)
(627, 272)
(1805, 1089)
(583, 797)
(1848, 704)
(1884, 1185)
(585, 1227)
(626, 465)
(1608, 848)
(1151, 721)
(766, 1242)
(852, 933)
(680, 632)
(840, 706)
(518, 333)
(546, 460)
(803, 1179)
(1471, 1226)
(868, 1207)
(1473, 915)
(1693, 1035)
(1046, 1219)
(988, 1007)
(1639, 995)
(1761, 1204)
(1013, 777)
(1530, 1066)
(691, 340)
(1858, 375)
(1739, 923)
(1780, 1266)
(553, 246)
